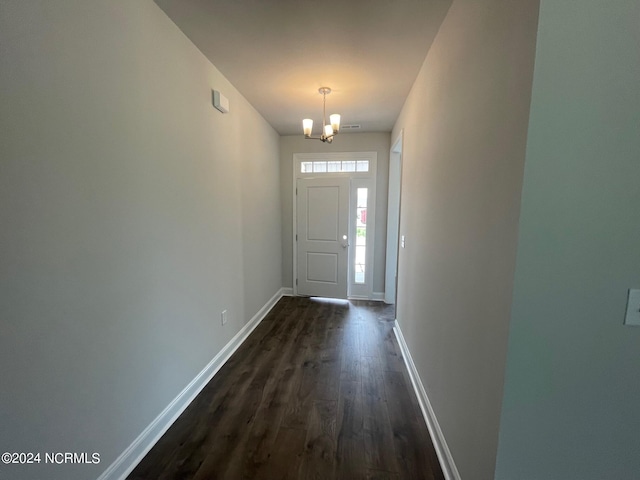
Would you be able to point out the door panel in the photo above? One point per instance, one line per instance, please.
(322, 267)
(322, 206)
(322, 220)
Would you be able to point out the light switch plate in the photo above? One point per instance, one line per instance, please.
(633, 308)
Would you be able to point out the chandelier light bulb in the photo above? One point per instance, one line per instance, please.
(307, 126)
(335, 122)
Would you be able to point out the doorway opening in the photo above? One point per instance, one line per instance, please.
(393, 221)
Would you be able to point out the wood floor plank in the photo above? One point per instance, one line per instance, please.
(286, 455)
(350, 438)
(320, 446)
(318, 390)
(377, 431)
(377, 475)
(409, 431)
(327, 387)
(266, 425)
(392, 354)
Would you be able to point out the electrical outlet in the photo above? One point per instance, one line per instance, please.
(223, 317)
(633, 308)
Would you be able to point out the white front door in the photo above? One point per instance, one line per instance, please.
(322, 236)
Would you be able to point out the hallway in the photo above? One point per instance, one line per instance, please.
(318, 390)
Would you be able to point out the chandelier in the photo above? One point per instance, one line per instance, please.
(328, 131)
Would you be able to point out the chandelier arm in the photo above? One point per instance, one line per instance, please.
(322, 138)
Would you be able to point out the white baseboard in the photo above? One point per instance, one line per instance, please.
(449, 468)
(130, 458)
(287, 291)
(377, 296)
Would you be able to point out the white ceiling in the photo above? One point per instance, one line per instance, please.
(277, 53)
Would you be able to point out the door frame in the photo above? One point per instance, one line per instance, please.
(393, 221)
(359, 179)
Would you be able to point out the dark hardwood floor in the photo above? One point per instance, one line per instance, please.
(318, 391)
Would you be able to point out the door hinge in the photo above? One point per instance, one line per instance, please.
(296, 281)
(296, 237)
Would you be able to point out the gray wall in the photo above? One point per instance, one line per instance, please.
(465, 125)
(132, 213)
(572, 394)
(344, 142)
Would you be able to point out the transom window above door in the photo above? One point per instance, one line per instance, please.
(334, 166)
